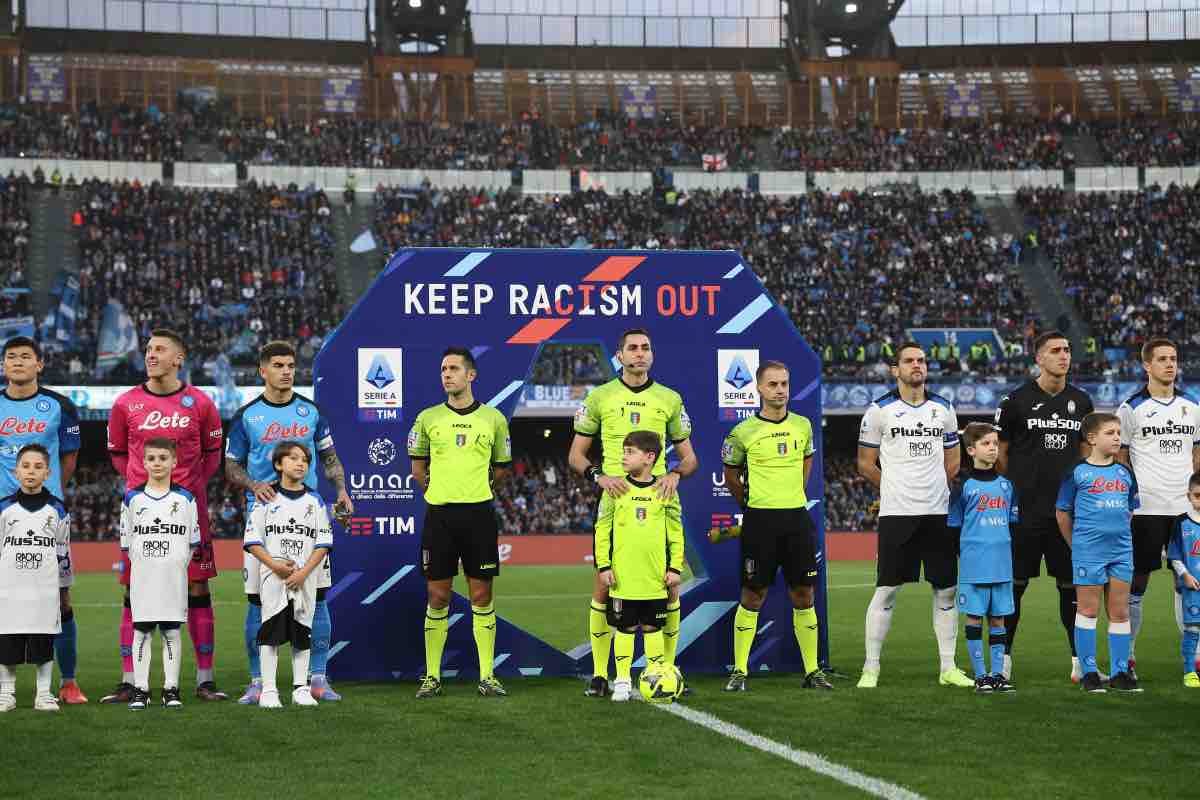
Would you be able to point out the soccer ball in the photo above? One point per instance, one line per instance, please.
(660, 688)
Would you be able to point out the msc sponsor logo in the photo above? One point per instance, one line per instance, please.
(382, 526)
(380, 384)
(736, 388)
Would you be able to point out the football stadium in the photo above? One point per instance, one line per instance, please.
(579, 384)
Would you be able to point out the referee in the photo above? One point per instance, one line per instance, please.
(768, 459)
(1040, 442)
(457, 449)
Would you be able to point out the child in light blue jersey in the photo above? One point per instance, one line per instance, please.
(983, 507)
(1095, 505)
(1183, 551)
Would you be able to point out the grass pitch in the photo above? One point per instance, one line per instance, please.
(547, 740)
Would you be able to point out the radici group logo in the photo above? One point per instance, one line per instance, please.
(380, 384)
(737, 391)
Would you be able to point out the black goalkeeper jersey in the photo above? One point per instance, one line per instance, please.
(1043, 435)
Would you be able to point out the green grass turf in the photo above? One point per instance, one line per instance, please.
(547, 740)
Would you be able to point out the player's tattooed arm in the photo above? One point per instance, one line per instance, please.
(236, 474)
(334, 471)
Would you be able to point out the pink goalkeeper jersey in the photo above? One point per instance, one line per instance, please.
(187, 415)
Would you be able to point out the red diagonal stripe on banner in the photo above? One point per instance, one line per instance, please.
(538, 330)
(614, 268)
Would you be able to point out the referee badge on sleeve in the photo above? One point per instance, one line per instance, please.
(726, 450)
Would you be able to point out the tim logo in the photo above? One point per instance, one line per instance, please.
(361, 526)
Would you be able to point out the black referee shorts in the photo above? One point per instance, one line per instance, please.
(626, 614)
(907, 543)
(466, 532)
(1151, 532)
(1034, 540)
(774, 539)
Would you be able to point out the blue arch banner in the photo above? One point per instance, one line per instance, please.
(711, 322)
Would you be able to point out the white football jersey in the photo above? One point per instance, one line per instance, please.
(291, 527)
(35, 562)
(911, 442)
(1160, 436)
(159, 534)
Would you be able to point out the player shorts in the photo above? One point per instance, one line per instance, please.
(1191, 606)
(1151, 532)
(986, 599)
(465, 532)
(626, 614)
(1099, 573)
(283, 629)
(26, 648)
(907, 543)
(1037, 539)
(774, 539)
(146, 627)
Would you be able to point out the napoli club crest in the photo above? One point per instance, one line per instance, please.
(43, 405)
(302, 410)
(460, 439)
(188, 401)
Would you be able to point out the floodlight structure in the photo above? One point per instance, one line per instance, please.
(821, 29)
(424, 26)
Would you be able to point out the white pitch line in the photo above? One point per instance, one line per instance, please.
(801, 758)
(121, 605)
(578, 595)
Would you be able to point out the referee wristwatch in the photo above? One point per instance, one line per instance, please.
(593, 472)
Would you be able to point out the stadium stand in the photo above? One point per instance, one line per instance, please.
(241, 267)
(1125, 258)
(545, 496)
(851, 503)
(15, 233)
(123, 133)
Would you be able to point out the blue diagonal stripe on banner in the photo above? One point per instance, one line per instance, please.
(746, 317)
(468, 263)
(453, 619)
(348, 580)
(757, 653)
(503, 394)
(500, 659)
(733, 273)
(530, 671)
(763, 629)
(395, 265)
(807, 390)
(703, 617)
(389, 583)
(337, 648)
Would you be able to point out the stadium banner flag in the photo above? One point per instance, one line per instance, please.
(16, 326)
(963, 100)
(1189, 96)
(118, 337)
(380, 367)
(340, 95)
(639, 102)
(46, 80)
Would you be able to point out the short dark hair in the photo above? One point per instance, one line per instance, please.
(1149, 347)
(909, 345)
(468, 359)
(276, 348)
(633, 332)
(646, 441)
(285, 447)
(1042, 338)
(1097, 419)
(976, 431)
(1194, 481)
(34, 447)
(167, 333)
(161, 443)
(23, 341)
(766, 365)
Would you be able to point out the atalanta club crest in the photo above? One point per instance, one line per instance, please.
(460, 439)
(634, 417)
